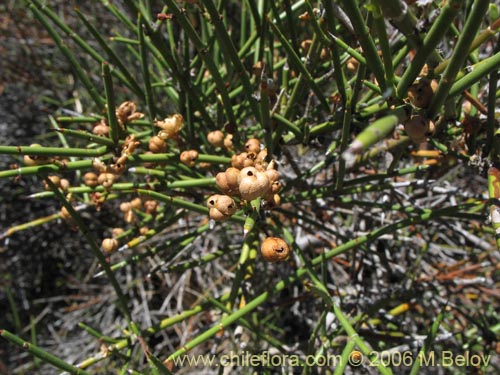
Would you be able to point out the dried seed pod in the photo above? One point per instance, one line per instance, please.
(227, 181)
(32, 160)
(275, 187)
(151, 206)
(189, 157)
(216, 138)
(305, 45)
(136, 203)
(64, 184)
(116, 168)
(99, 166)
(252, 183)
(170, 126)
(109, 245)
(126, 112)
(242, 160)
(274, 249)
(65, 214)
(252, 145)
(101, 129)
(125, 206)
(212, 200)
(129, 216)
(228, 142)
(221, 207)
(422, 92)
(272, 174)
(352, 64)
(260, 160)
(419, 128)
(226, 205)
(56, 180)
(115, 232)
(106, 179)
(157, 145)
(325, 54)
(216, 215)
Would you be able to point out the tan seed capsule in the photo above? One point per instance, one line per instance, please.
(189, 157)
(157, 145)
(422, 92)
(253, 183)
(90, 179)
(252, 145)
(228, 142)
(170, 126)
(212, 200)
(274, 249)
(216, 138)
(129, 216)
(243, 160)
(226, 205)
(101, 129)
(125, 206)
(115, 232)
(65, 214)
(106, 179)
(419, 128)
(136, 203)
(64, 184)
(151, 206)
(227, 181)
(56, 180)
(109, 245)
(221, 207)
(32, 160)
(216, 215)
(272, 174)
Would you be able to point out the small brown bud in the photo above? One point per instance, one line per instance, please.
(109, 245)
(216, 138)
(274, 249)
(101, 129)
(106, 179)
(189, 157)
(252, 145)
(228, 142)
(157, 145)
(115, 232)
(125, 206)
(151, 206)
(419, 128)
(252, 183)
(136, 203)
(422, 92)
(170, 126)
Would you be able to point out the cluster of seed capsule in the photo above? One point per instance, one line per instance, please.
(418, 127)
(129, 210)
(248, 178)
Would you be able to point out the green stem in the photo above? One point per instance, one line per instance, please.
(181, 17)
(431, 40)
(360, 26)
(36, 7)
(458, 57)
(143, 50)
(40, 353)
(114, 128)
